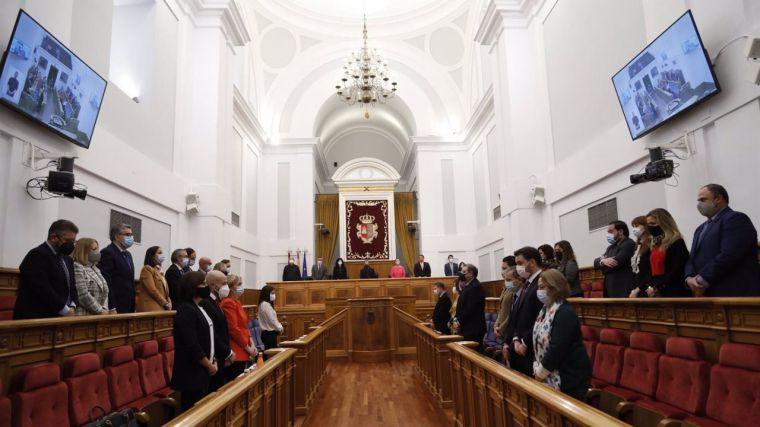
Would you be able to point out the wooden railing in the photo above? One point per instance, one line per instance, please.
(714, 321)
(261, 398)
(432, 357)
(23, 342)
(9, 281)
(311, 360)
(487, 393)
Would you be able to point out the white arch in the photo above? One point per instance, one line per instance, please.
(366, 171)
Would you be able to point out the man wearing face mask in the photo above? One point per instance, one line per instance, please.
(471, 307)
(191, 256)
(451, 268)
(223, 351)
(318, 270)
(46, 283)
(441, 314)
(291, 272)
(179, 260)
(723, 258)
(117, 267)
(616, 261)
(507, 295)
(519, 333)
(204, 264)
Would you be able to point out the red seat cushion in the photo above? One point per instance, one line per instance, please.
(6, 308)
(5, 410)
(667, 411)
(735, 384)
(683, 376)
(151, 368)
(608, 361)
(590, 340)
(124, 379)
(640, 364)
(167, 354)
(624, 393)
(705, 422)
(88, 387)
(41, 399)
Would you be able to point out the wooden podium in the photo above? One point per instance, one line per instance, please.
(381, 267)
(370, 329)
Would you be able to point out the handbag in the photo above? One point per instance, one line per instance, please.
(123, 418)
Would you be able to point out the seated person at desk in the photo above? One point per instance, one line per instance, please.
(367, 272)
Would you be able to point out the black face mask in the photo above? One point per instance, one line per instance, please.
(203, 292)
(655, 230)
(461, 276)
(66, 248)
(558, 254)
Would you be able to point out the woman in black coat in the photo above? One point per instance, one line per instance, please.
(561, 359)
(194, 362)
(339, 270)
(668, 256)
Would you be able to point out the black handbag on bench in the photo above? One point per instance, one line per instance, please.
(123, 418)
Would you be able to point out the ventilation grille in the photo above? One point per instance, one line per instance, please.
(599, 216)
(235, 219)
(497, 213)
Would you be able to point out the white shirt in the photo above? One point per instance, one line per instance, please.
(210, 332)
(268, 318)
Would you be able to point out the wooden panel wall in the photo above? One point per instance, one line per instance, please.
(8, 281)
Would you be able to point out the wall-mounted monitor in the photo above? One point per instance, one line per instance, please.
(45, 81)
(668, 77)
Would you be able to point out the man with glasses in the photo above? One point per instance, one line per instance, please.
(117, 267)
(46, 283)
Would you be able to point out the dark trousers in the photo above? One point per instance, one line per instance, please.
(269, 338)
(218, 380)
(231, 372)
(190, 397)
(578, 393)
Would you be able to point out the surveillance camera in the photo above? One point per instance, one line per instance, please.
(412, 227)
(61, 182)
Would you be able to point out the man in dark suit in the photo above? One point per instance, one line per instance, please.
(451, 268)
(46, 283)
(616, 261)
(422, 269)
(471, 307)
(191, 257)
(441, 312)
(224, 354)
(291, 272)
(522, 317)
(318, 270)
(723, 259)
(118, 269)
(174, 273)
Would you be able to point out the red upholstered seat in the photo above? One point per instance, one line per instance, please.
(590, 340)
(5, 410)
(640, 368)
(608, 361)
(684, 379)
(40, 397)
(124, 379)
(597, 289)
(6, 308)
(734, 387)
(88, 387)
(151, 368)
(166, 346)
(586, 288)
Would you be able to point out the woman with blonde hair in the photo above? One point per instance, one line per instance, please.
(92, 289)
(668, 256)
(561, 359)
(642, 273)
(237, 326)
(152, 291)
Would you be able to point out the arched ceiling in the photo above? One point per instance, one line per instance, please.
(356, 8)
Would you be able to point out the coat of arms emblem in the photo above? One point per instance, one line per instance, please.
(366, 229)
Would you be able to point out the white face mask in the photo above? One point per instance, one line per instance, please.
(508, 284)
(340, 262)
(224, 291)
(272, 297)
(239, 290)
(542, 296)
(522, 272)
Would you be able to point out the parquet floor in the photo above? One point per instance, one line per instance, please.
(374, 394)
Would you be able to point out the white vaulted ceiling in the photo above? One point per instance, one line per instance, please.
(300, 47)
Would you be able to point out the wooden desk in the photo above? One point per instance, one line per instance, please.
(381, 267)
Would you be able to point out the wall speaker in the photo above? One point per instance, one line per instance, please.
(192, 200)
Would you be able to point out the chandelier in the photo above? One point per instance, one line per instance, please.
(365, 78)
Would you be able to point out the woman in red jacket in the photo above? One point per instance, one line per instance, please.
(237, 324)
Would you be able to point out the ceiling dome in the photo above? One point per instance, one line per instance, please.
(356, 8)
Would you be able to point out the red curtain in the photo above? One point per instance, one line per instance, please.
(367, 229)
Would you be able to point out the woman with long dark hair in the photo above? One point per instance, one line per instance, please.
(270, 326)
(339, 270)
(568, 266)
(152, 291)
(642, 270)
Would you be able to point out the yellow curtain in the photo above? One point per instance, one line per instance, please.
(404, 206)
(327, 214)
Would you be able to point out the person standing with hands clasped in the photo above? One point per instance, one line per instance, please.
(237, 325)
(194, 361)
(561, 359)
(270, 326)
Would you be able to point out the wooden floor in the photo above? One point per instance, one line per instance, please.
(374, 394)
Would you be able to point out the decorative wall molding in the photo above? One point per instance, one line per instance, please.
(244, 116)
(366, 172)
(501, 14)
(226, 14)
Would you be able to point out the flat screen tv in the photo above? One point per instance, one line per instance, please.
(45, 81)
(668, 77)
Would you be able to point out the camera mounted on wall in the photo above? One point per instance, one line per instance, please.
(59, 182)
(657, 169)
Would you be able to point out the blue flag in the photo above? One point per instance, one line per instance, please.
(305, 273)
